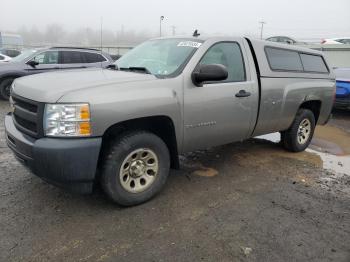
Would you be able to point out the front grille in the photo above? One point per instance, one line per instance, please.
(30, 107)
(28, 115)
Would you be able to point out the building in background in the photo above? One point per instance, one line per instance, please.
(10, 41)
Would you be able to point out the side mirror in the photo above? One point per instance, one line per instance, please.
(205, 73)
(32, 63)
(112, 66)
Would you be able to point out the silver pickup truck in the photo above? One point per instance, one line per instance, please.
(125, 126)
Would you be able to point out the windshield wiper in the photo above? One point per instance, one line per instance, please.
(136, 69)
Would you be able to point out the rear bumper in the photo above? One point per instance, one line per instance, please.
(69, 163)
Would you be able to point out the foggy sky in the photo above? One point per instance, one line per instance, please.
(298, 18)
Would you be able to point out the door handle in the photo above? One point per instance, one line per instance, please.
(243, 93)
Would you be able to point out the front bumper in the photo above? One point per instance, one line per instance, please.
(70, 163)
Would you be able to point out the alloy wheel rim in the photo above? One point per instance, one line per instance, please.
(304, 131)
(139, 170)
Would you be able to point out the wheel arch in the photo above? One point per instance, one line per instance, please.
(161, 125)
(10, 75)
(314, 106)
(3, 78)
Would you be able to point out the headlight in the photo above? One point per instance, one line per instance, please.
(61, 120)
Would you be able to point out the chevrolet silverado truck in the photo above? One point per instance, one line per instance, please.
(124, 126)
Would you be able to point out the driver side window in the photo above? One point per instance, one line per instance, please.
(49, 57)
(228, 54)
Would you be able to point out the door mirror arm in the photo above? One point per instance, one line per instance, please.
(32, 63)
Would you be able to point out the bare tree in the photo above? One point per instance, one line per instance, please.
(55, 34)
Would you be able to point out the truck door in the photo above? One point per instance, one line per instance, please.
(221, 112)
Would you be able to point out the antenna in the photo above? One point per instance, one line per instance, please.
(195, 33)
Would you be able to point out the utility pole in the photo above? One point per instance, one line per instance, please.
(87, 36)
(174, 29)
(160, 25)
(262, 28)
(122, 30)
(101, 36)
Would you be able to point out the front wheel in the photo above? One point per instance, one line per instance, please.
(135, 168)
(298, 137)
(5, 88)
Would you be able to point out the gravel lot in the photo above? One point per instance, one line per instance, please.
(249, 201)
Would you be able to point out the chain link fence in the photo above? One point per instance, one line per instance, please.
(113, 50)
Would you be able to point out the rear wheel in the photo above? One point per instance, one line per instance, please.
(135, 168)
(298, 137)
(5, 88)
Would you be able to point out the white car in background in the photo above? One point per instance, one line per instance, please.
(4, 58)
(336, 41)
(282, 39)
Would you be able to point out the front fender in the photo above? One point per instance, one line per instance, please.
(164, 102)
(13, 74)
(111, 105)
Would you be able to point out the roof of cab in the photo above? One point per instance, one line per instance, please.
(253, 40)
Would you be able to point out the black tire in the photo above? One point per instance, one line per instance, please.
(290, 138)
(118, 152)
(5, 86)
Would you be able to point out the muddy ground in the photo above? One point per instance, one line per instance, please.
(249, 201)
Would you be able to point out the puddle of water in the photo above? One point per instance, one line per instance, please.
(335, 136)
(324, 146)
(332, 155)
(340, 165)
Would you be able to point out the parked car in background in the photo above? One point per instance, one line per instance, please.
(10, 52)
(336, 41)
(125, 126)
(342, 100)
(282, 39)
(4, 58)
(49, 59)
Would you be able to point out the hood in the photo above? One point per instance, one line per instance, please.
(10, 65)
(49, 87)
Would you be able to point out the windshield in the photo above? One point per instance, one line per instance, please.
(25, 54)
(160, 57)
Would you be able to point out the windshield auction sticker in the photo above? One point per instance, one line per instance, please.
(190, 44)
